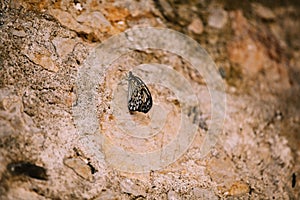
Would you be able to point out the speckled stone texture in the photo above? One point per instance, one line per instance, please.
(255, 46)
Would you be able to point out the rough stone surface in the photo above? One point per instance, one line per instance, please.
(45, 43)
(256, 51)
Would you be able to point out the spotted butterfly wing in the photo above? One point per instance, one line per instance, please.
(139, 96)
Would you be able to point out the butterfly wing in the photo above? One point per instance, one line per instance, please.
(139, 96)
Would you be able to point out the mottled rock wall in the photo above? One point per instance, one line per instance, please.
(256, 48)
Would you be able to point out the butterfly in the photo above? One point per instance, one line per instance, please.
(139, 96)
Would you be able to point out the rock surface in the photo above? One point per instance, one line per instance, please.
(44, 44)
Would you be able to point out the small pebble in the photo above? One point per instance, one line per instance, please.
(196, 26)
(263, 12)
(217, 18)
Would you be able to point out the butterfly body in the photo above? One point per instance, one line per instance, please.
(139, 96)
